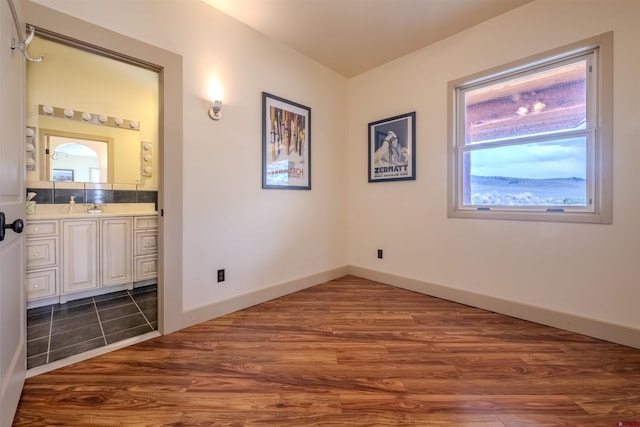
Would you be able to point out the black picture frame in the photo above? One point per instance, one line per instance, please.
(63, 175)
(286, 144)
(392, 149)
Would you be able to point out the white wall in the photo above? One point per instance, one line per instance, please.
(591, 271)
(261, 237)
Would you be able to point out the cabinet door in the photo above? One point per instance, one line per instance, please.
(79, 255)
(117, 251)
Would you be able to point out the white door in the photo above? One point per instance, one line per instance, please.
(12, 250)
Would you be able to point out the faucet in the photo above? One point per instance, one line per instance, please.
(95, 208)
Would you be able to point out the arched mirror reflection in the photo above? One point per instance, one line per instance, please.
(72, 158)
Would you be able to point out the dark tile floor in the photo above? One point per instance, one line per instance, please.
(62, 330)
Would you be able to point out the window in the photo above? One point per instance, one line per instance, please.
(533, 140)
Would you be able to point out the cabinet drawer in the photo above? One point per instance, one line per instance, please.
(146, 267)
(143, 222)
(146, 242)
(41, 228)
(41, 252)
(41, 284)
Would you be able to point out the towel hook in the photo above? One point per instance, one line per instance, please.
(23, 45)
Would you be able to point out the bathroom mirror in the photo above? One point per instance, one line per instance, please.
(77, 158)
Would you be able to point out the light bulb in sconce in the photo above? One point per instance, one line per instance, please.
(215, 110)
(214, 94)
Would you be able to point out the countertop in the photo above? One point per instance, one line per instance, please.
(81, 211)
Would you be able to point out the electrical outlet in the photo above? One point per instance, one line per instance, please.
(221, 275)
(380, 253)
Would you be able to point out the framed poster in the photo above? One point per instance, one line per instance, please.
(392, 148)
(286, 144)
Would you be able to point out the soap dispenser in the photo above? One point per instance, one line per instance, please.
(72, 203)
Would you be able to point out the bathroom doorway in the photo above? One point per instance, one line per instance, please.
(81, 90)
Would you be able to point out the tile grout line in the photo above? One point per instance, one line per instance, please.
(50, 330)
(140, 310)
(95, 306)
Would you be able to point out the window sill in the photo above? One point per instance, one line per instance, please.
(544, 216)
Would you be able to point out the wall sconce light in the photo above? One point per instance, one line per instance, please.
(215, 111)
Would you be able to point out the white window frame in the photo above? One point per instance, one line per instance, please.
(599, 135)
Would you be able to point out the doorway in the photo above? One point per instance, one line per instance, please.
(109, 89)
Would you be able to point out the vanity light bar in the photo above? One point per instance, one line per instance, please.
(96, 119)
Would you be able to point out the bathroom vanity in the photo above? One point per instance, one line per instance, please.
(80, 254)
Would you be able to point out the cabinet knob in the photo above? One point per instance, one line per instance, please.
(36, 253)
(36, 228)
(37, 285)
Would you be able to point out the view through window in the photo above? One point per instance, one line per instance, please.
(527, 140)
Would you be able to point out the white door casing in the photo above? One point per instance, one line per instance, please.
(12, 203)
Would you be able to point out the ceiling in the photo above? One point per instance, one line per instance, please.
(353, 36)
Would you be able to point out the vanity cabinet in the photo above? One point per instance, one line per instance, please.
(84, 256)
(146, 248)
(42, 275)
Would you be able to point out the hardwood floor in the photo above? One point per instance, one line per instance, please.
(349, 352)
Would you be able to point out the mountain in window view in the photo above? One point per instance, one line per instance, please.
(511, 191)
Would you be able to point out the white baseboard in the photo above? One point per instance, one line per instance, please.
(591, 327)
(220, 308)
